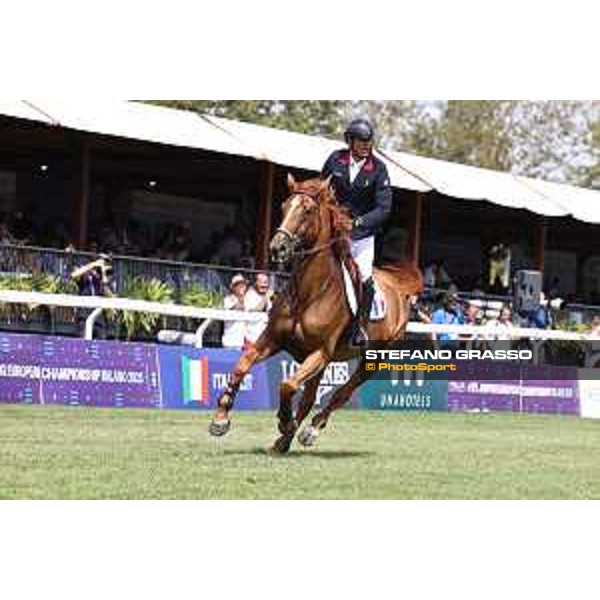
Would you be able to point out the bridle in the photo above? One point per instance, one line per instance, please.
(296, 241)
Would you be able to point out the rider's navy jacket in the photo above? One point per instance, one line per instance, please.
(368, 197)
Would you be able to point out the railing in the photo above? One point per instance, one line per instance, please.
(32, 260)
(20, 262)
(120, 304)
(24, 261)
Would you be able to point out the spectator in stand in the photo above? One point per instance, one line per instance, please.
(472, 316)
(6, 237)
(182, 245)
(234, 333)
(435, 276)
(21, 228)
(247, 261)
(419, 314)
(448, 313)
(540, 317)
(94, 278)
(503, 325)
(258, 299)
(500, 257)
(595, 328)
(230, 250)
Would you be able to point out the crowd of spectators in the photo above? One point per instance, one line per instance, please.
(448, 309)
(173, 242)
(229, 247)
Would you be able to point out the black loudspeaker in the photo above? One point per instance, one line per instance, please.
(528, 286)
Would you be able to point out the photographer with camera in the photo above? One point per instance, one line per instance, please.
(95, 279)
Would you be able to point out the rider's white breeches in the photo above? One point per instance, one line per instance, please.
(363, 252)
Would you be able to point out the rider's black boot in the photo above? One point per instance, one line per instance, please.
(361, 322)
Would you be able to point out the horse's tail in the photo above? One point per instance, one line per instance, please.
(406, 275)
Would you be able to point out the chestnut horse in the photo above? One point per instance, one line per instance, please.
(311, 318)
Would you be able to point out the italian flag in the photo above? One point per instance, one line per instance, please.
(194, 377)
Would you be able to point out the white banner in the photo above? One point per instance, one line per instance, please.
(589, 394)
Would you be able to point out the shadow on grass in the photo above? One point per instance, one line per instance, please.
(301, 454)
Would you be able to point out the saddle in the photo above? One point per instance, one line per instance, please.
(354, 290)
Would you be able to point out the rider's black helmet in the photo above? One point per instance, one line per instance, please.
(359, 129)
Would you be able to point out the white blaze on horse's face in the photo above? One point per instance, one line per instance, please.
(296, 229)
(291, 215)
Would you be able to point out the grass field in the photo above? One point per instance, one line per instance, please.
(102, 453)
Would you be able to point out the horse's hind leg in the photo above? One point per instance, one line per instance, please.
(308, 370)
(308, 399)
(308, 436)
(221, 422)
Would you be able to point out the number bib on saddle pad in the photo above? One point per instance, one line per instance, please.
(378, 307)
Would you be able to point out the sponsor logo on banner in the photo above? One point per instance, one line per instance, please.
(219, 381)
(408, 390)
(194, 379)
(335, 375)
(36, 369)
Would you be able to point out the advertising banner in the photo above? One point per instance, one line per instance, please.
(36, 369)
(405, 391)
(589, 393)
(283, 366)
(534, 389)
(193, 378)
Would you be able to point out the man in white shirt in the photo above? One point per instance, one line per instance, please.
(235, 332)
(258, 299)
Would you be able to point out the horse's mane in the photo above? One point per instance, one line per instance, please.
(340, 219)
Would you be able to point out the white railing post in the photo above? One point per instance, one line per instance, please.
(200, 333)
(90, 322)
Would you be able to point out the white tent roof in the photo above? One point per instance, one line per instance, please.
(145, 122)
(22, 109)
(162, 125)
(582, 203)
(293, 149)
(472, 183)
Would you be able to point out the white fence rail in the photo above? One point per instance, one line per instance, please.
(208, 315)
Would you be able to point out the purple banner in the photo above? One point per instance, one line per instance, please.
(36, 369)
(518, 389)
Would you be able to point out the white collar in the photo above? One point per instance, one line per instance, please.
(357, 163)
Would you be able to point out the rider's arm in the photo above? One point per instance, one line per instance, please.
(327, 169)
(383, 202)
(80, 271)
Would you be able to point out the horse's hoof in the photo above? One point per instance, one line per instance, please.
(282, 445)
(219, 427)
(308, 436)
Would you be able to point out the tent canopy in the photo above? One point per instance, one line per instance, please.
(135, 120)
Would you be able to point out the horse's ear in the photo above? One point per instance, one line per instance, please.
(291, 182)
(325, 184)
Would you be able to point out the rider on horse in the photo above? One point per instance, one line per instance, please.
(362, 184)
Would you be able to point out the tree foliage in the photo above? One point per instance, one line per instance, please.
(589, 174)
(318, 117)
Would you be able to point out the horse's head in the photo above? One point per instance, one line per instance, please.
(302, 220)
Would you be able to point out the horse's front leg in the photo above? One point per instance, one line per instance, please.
(221, 421)
(311, 367)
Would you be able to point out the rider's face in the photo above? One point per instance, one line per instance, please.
(361, 149)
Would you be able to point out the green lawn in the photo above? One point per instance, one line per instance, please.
(103, 453)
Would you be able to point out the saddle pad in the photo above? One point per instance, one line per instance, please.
(378, 307)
